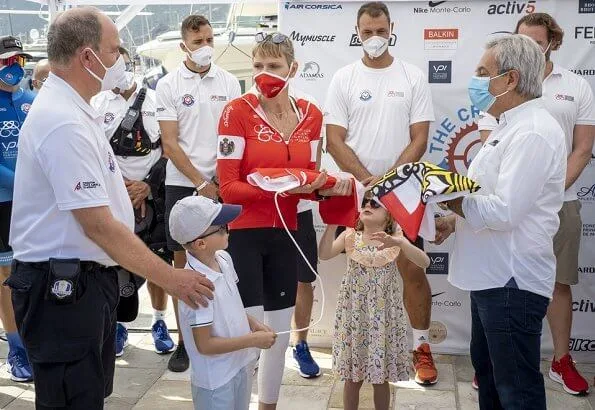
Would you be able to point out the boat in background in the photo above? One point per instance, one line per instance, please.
(233, 43)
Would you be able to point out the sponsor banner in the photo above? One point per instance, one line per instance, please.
(445, 40)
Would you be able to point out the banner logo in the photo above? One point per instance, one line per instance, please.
(586, 33)
(581, 345)
(311, 38)
(438, 332)
(312, 6)
(587, 193)
(585, 305)
(311, 71)
(438, 7)
(355, 42)
(456, 141)
(438, 263)
(441, 38)
(586, 6)
(440, 72)
(512, 7)
(583, 72)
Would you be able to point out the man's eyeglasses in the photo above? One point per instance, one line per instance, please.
(220, 229)
(275, 38)
(373, 203)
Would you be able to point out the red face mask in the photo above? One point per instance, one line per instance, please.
(270, 85)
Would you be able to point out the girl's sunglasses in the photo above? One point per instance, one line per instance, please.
(373, 203)
(220, 229)
(275, 38)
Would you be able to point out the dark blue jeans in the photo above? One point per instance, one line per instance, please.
(505, 347)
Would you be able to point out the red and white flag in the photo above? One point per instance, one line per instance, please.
(336, 210)
(409, 192)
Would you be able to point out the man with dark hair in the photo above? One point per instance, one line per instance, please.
(393, 95)
(14, 107)
(190, 100)
(72, 223)
(569, 99)
(137, 151)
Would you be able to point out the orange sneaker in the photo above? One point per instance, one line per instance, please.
(423, 362)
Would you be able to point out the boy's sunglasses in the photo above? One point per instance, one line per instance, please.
(220, 229)
(275, 38)
(373, 203)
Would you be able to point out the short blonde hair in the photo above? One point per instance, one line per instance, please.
(267, 48)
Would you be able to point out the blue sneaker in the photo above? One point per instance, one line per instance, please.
(121, 339)
(18, 366)
(306, 366)
(163, 343)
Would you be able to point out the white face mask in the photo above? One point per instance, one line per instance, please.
(126, 81)
(113, 75)
(202, 56)
(375, 46)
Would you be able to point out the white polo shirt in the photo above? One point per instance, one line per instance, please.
(113, 107)
(65, 163)
(510, 222)
(377, 106)
(196, 104)
(227, 318)
(569, 99)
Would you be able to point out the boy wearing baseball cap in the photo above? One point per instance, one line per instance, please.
(225, 337)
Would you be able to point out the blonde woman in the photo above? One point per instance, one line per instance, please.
(269, 128)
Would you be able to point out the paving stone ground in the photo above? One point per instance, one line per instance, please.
(143, 382)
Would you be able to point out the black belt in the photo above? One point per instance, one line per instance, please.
(156, 144)
(86, 266)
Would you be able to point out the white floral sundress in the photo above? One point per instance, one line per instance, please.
(370, 342)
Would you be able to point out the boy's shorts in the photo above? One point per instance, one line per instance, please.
(233, 395)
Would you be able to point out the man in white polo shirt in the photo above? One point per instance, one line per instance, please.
(569, 99)
(503, 249)
(72, 223)
(137, 146)
(190, 100)
(378, 112)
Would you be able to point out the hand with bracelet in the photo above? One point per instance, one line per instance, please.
(208, 189)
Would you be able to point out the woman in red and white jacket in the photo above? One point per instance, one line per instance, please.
(269, 128)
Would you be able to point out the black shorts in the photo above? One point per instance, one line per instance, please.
(5, 212)
(173, 194)
(306, 238)
(71, 347)
(264, 259)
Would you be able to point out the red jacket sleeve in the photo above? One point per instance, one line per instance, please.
(315, 141)
(233, 188)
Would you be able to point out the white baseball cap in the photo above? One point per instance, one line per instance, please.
(190, 217)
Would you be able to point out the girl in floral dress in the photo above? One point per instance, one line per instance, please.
(370, 343)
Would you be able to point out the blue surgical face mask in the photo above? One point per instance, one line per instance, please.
(479, 92)
(12, 74)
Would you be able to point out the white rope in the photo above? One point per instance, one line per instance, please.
(307, 263)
